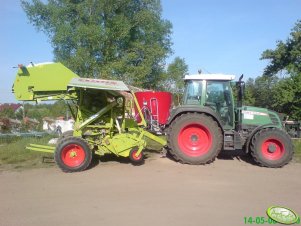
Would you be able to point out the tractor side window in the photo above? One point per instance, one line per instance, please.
(219, 98)
(193, 92)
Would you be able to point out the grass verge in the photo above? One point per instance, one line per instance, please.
(13, 154)
(297, 146)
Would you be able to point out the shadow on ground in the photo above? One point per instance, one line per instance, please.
(111, 158)
(150, 154)
(239, 155)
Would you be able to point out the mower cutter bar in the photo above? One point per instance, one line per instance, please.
(41, 148)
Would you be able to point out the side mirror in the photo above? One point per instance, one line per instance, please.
(241, 86)
(241, 90)
(240, 78)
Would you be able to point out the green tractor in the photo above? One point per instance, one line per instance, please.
(208, 121)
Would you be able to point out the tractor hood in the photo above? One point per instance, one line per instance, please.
(259, 116)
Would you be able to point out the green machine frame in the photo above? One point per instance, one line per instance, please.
(101, 108)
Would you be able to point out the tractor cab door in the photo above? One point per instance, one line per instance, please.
(219, 97)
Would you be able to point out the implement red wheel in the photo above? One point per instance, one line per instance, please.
(136, 160)
(73, 154)
(194, 138)
(272, 147)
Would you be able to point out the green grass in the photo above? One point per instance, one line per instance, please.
(13, 154)
(297, 145)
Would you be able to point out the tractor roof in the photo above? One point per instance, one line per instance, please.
(210, 77)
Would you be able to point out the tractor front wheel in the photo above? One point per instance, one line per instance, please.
(194, 138)
(272, 147)
(73, 154)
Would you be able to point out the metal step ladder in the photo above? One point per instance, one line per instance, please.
(154, 108)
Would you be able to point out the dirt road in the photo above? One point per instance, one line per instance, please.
(161, 192)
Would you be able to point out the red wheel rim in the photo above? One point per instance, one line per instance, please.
(137, 158)
(195, 140)
(73, 155)
(272, 149)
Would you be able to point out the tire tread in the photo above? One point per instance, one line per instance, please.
(179, 158)
(57, 157)
(254, 152)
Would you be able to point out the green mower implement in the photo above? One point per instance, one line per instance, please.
(103, 122)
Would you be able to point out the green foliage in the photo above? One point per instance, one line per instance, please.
(297, 148)
(19, 114)
(116, 39)
(7, 113)
(287, 55)
(282, 94)
(39, 111)
(173, 78)
(263, 91)
(287, 96)
(250, 91)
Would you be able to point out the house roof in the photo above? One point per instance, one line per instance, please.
(12, 106)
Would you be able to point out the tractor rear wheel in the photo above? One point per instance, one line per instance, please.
(73, 154)
(272, 147)
(194, 138)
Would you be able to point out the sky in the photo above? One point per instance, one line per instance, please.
(216, 36)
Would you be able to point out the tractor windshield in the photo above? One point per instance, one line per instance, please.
(193, 92)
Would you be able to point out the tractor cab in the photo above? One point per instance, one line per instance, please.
(213, 91)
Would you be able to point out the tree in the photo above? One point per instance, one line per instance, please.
(285, 96)
(263, 91)
(117, 39)
(59, 108)
(7, 112)
(259, 92)
(286, 56)
(250, 92)
(173, 78)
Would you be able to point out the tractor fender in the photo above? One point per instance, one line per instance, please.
(258, 128)
(190, 109)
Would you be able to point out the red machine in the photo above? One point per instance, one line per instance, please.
(155, 107)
